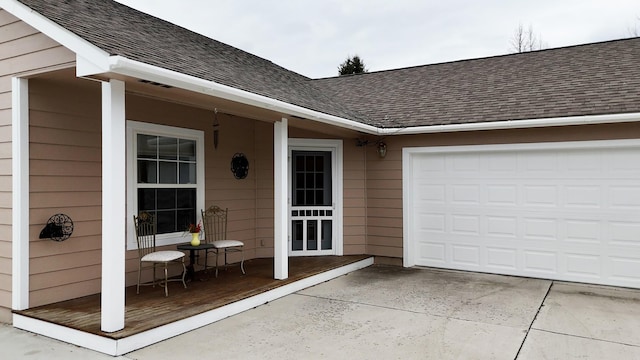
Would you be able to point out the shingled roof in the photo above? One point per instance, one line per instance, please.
(593, 79)
(120, 30)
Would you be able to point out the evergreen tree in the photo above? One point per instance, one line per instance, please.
(353, 65)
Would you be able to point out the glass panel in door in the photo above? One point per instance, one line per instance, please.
(311, 203)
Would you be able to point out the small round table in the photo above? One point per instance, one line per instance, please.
(191, 273)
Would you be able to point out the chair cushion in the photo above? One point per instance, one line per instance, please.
(221, 244)
(162, 256)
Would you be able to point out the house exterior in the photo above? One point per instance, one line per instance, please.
(525, 164)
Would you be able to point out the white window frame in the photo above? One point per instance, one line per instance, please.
(337, 160)
(133, 129)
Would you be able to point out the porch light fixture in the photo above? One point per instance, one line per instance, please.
(382, 149)
(216, 128)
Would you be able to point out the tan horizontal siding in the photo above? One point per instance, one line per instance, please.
(65, 176)
(62, 292)
(354, 198)
(263, 139)
(385, 251)
(355, 249)
(22, 50)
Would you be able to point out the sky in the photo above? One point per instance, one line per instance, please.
(313, 38)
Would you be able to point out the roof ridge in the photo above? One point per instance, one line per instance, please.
(525, 53)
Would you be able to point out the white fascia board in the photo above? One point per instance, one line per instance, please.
(85, 51)
(515, 124)
(123, 66)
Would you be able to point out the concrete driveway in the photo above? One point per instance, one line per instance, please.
(385, 312)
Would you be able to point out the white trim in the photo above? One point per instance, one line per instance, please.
(124, 66)
(85, 51)
(66, 334)
(280, 203)
(128, 67)
(337, 161)
(408, 259)
(515, 124)
(20, 193)
(113, 205)
(407, 173)
(135, 127)
(138, 341)
(523, 146)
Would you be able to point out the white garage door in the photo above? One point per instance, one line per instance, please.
(566, 211)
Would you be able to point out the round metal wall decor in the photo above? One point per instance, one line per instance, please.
(239, 166)
(59, 228)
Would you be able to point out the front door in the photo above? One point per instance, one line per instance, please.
(312, 229)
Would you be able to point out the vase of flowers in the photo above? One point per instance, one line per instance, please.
(195, 233)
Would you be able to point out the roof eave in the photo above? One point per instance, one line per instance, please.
(127, 67)
(515, 124)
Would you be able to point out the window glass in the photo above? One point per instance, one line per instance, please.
(168, 173)
(167, 148)
(187, 150)
(167, 180)
(147, 146)
(147, 172)
(175, 208)
(187, 173)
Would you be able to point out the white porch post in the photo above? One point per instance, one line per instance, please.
(113, 206)
(280, 200)
(20, 197)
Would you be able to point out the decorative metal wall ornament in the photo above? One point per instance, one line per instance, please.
(239, 166)
(216, 128)
(59, 228)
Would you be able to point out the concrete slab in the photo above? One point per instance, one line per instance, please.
(307, 327)
(593, 312)
(545, 345)
(396, 313)
(19, 344)
(491, 299)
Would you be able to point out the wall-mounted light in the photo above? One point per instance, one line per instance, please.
(382, 149)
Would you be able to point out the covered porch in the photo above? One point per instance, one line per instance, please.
(151, 317)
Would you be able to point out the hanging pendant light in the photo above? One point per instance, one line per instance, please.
(216, 128)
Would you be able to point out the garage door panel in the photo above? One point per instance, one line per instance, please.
(502, 195)
(432, 253)
(465, 255)
(583, 266)
(624, 233)
(502, 226)
(569, 212)
(536, 262)
(583, 231)
(624, 269)
(502, 258)
(624, 197)
(583, 196)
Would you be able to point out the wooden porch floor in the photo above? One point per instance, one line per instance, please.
(151, 309)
